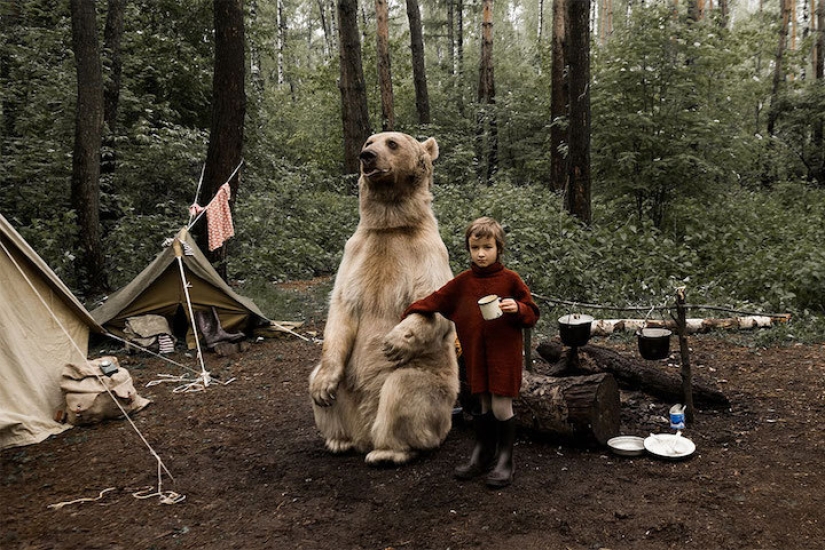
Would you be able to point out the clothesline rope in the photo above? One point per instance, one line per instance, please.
(205, 208)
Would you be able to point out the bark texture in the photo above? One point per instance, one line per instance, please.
(577, 196)
(384, 67)
(225, 151)
(422, 97)
(558, 99)
(88, 138)
(354, 113)
(586, 408)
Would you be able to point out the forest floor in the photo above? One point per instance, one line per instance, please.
(253, 472)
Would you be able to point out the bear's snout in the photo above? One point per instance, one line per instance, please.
(367, 158)
(369, 162)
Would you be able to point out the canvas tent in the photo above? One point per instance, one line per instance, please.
(158, 290)
(42, 327)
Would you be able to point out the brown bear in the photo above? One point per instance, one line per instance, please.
(363, 400)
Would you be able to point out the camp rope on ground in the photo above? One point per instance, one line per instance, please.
(161, 466)
(60, 505)
(166, 497)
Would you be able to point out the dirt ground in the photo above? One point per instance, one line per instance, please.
(254, 474)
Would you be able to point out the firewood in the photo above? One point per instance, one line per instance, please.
(586, 408)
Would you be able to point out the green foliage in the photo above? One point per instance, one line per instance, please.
(685, 179)
(48, 237)
(662, 123)
(291, 228)
(142, 235)
(802, 115)
(760, 247)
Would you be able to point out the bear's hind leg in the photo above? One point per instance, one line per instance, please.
(332, 423)
(407, 420)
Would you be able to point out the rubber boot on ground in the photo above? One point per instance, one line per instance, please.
(484, 451)
(502, 474)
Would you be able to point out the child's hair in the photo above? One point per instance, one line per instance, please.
(483, 228)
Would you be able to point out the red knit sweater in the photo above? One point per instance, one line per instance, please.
(492, 349)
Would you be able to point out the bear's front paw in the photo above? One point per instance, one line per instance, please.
(398, 345)
(322, 387)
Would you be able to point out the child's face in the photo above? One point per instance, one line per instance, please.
(483, 250)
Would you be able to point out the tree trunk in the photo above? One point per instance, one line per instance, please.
(581, 407)
(577, 196)
(384, 67)
(225, 150)
(282, 28)
(354, 113)
(629, 374)
(422, 98)
(778, 71)
(458, 65)
(486, 127)
(606, 327)
(723, 12)
(558, 99)
(605, 21)
(819, 75)
(326, 26)
(87, 143)
(112, 34)
(540, 26)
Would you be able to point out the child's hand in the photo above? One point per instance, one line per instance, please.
(508, 305)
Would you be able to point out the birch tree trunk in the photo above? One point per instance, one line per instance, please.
(457, 44)
(558, 98)
(281, 23)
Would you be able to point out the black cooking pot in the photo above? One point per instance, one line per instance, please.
(654, 343)
(574, 329)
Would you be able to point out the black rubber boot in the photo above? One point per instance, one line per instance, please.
(484, 451)
(209, 325)
(502, 474)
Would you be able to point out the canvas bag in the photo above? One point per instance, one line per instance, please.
(151, 332)
(87, 401)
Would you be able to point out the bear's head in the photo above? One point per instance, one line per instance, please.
(392, 160)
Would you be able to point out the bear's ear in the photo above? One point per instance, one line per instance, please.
(431, 147)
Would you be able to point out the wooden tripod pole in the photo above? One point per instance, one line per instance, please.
(687, 376)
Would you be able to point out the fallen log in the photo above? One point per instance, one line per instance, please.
(629, 374)
(585, 408)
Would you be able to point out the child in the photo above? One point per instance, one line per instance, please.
(492, 349)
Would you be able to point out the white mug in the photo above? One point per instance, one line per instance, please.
(490, 308)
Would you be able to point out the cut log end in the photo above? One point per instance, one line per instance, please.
(585, 408)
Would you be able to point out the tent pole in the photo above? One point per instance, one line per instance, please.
(198, 191)
(179, 255)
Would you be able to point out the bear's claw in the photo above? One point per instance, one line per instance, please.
(389, 456)
(322, 389)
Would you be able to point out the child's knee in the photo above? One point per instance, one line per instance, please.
(502, 407)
